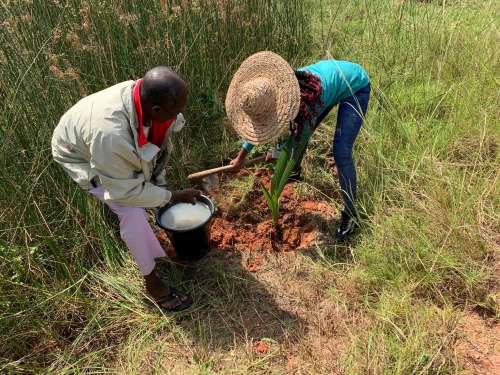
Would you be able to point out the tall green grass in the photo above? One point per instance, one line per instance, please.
(52, 54)
(428, 174)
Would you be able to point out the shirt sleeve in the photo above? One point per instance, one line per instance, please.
(119, 169)
(179, 123)
(247, 146)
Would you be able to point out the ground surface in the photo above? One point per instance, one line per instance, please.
(479, 344)
(243, 221)
(288, 318)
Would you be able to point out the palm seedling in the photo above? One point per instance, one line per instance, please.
(289, 155)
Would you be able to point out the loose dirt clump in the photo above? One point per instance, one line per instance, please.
(261, 347)
(243, 221)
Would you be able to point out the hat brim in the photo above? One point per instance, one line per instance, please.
(272, 67)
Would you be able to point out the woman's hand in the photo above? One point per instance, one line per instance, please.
(272, 155)
(239, 161)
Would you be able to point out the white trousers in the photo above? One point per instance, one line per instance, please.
(136, 232)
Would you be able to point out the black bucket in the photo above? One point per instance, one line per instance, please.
(190, 244)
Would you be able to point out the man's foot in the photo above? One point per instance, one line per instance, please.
(347, 226)
(167, 298)
(174, 301)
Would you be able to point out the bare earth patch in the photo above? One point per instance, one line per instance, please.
(479, 346)
(279, 318)
(247, 225)
(270, 308)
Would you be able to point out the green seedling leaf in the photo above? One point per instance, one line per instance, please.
(288, 158)
(272, 202)
(293, 157)
(267, 195)
(283, 158)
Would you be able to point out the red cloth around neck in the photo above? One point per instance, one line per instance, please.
(158, 129)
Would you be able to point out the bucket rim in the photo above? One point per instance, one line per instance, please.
(202, 198)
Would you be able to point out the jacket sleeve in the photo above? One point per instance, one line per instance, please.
(118, 166)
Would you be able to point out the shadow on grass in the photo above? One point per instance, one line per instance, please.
(233, 308)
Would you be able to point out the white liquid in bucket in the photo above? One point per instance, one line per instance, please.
(183, 216)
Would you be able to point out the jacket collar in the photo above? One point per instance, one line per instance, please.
(149, 150)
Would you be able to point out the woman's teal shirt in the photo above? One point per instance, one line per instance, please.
(339, 80)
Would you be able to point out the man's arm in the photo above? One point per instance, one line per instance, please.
(119, 168)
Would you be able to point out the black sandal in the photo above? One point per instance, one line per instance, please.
(184, 301)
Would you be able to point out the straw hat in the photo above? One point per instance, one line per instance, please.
(263, 97)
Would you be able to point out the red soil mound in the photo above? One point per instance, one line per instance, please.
(248, 225)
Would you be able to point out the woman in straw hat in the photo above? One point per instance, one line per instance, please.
(267, 98)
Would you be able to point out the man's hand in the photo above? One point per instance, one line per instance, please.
(185, 196)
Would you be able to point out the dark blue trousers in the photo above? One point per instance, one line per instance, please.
(351, 114)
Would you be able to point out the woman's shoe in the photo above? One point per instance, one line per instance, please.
(295, 175)
(348, 225)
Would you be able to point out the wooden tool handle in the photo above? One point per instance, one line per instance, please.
(208, 172)
(226, 168)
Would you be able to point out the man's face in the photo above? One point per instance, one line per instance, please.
(166, 111)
